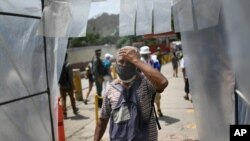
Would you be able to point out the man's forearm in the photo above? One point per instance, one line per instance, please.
(159, 81)
(100, 129)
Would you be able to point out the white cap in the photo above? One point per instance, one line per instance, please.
(145, 50)
(108, 55)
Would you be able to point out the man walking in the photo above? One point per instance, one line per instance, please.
(131, 93)
(98, 72)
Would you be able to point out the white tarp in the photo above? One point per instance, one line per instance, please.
(22, 74)
(183, 16)
(56, 20)
(212, 81)
(144, 17)
(162, 16)
(65, 18)
(80, 12)
(217, 56)
(237, 23)
(24, 7)
(208, 11)
(127, 17)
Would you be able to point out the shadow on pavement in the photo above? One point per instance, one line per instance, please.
(169, 120)
(78, 117)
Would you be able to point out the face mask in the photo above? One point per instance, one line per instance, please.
(126, 73)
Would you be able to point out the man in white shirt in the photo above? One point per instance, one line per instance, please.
(186, 87)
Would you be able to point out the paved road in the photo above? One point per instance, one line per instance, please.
(178, 123)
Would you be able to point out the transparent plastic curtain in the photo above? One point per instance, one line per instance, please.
(175, 1)
(183, 15)
(211, 80)
(162, 16)
(144, 17)
(22, 73)
(26, 7)
(237, 23)
(210, 73)
(80, 12)
(56, 50)
(127, 17)
(98, 0)
(208, 14)
(56, 19)
(175, 17)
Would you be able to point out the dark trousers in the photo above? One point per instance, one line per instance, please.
(63, 93)
(186, 88)
(99, 92)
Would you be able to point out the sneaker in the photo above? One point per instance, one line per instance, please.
(160, 113)
(76, 111)
(65, 116)
(85, 101)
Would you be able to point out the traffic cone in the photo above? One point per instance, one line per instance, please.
(61, 133)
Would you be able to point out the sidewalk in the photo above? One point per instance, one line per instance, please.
(177, 124)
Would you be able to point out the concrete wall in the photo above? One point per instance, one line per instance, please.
(85, 54)
(79, 57)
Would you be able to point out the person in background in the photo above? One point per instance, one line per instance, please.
(140, 87)
(154, 62)
(107, 70)
(98, 73)
(175, 62)
(186, 87)
(89, 76)
(159, 56)
(66, 86)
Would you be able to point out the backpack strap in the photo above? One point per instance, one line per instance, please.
(153, 106)
(117, 86)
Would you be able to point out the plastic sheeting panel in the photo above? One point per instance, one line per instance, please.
(237, 23)
(26, 120)
(211, 80)
(26, 7)
(55, 55)
(98, 0)
(176, 19)
(175, 1)
(207, 12)
(22, 58)
(244, 112)
(183, 16)
(144, 17)
(22, 73)
(127, 17)
(162, 16)
(80, 12)
(56, 20)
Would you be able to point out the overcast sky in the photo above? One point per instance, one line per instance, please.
(108, 6)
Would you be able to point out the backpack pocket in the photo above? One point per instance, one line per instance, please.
(121, 114)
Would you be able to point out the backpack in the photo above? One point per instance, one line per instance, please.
(64, 79)
(127, 122)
